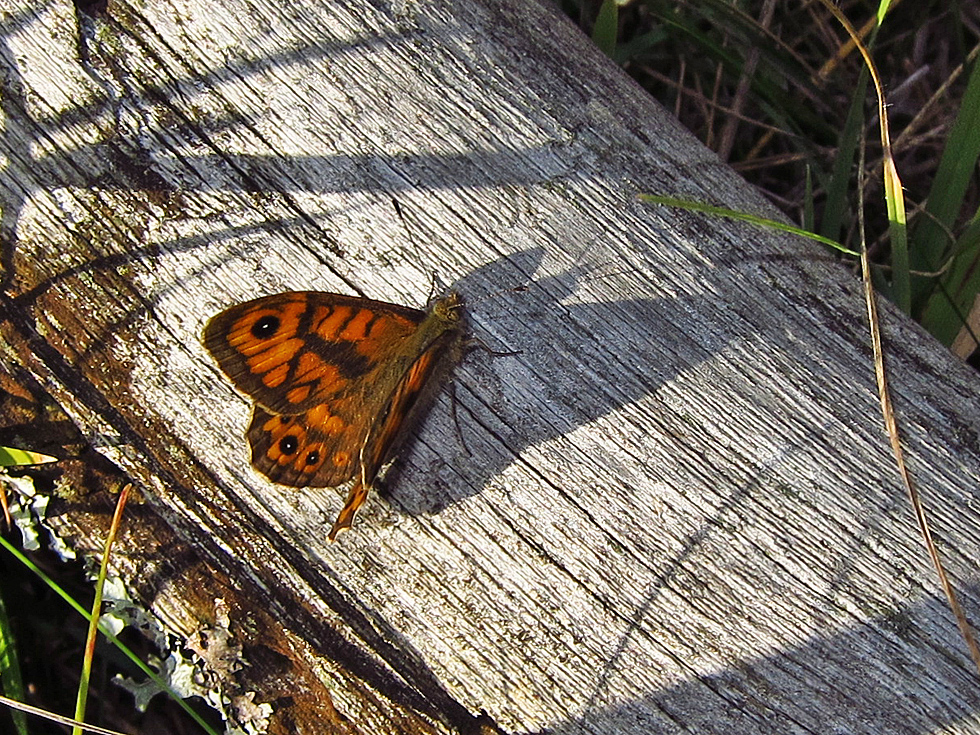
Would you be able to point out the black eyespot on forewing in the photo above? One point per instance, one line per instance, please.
(266, 327)
(288, 445)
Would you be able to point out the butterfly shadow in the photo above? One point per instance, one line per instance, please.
(546, 363)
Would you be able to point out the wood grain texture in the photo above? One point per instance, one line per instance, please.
(675, 510)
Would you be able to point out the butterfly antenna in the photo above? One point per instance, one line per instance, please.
(475, 343)
(432, 288)
(418, 250)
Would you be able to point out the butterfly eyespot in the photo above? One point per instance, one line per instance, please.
(288, 445)
(265, 327)
(313, 458)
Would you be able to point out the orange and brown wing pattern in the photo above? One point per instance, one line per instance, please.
(312, 449)
(334, 379)
(293, 351)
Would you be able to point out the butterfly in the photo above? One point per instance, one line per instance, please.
(335, 379)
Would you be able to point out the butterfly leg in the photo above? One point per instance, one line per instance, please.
(454, 402)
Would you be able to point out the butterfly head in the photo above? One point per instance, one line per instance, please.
(448, 308)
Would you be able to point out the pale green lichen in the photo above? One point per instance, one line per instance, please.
(28, 509)
(209, 674)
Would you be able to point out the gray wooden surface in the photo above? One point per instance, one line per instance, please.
(675, 509)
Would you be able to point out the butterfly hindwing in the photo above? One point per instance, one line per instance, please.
(310, 449)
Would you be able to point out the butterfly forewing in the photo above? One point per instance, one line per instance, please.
(412, 393)
(442, 339)
(293, 351)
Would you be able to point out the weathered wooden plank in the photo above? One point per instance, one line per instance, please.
(677, 511)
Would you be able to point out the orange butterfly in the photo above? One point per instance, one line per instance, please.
(334, 379)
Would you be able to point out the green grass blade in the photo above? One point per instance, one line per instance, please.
(839, 183)
(744, 217)
(10, 457)
(57, 589)
(606, 28)
(948, 309)
(894, 196)
(11, 683)
(898, 235)
(945, 202)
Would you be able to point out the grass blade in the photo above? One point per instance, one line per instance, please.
(953, 178)
(93, 623)
(606, 28)
(11, 683)
(156, 678)
(10, 457)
